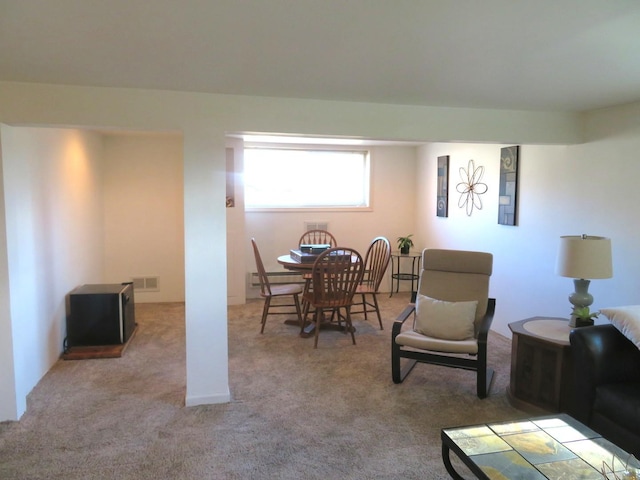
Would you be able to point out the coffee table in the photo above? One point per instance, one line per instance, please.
(549, 447)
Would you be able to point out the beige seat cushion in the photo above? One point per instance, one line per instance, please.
(417, 340)
(445, 320)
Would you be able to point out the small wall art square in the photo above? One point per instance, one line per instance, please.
(508, 204)
(442, 196)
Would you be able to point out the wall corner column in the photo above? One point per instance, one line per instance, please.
(205, 267)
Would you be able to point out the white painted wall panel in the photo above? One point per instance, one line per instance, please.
(53, 209)
(144, 212)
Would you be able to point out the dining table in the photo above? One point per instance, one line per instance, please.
(290, 263)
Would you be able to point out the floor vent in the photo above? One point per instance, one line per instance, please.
(316, 226)
(146, 284)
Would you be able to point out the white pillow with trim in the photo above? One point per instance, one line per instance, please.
(445, 320)
(626, 319)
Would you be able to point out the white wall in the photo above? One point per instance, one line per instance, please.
(83, 208)
(52, 195)
(564, 190)
(9, 398)
(144, 212)
(236, 277)
(392, 214)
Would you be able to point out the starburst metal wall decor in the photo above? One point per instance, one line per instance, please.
(471, 187)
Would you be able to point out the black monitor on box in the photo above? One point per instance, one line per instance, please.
(100, 314)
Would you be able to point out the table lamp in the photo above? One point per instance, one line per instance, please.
(583, 258)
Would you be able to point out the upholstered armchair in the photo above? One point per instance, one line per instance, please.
(450, 319)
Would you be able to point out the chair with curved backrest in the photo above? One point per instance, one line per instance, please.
(376, 262)
(315, 237)
(318, 237)
(451, 317)
(269, 292)
(335, 275)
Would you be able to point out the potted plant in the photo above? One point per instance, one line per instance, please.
(583, 316)
(405, 243)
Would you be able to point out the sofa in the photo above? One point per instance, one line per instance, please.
(607, 384)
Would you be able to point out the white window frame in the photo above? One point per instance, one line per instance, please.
(306, 178)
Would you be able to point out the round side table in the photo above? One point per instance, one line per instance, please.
(541, 364)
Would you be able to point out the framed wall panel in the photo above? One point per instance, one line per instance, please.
(508, 203)
(442, 195)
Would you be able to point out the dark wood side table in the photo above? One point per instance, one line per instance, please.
(541, 365)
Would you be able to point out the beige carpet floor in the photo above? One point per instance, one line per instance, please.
(296, 412)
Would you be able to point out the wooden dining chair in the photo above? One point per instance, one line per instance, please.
(376, 262)
(269, 292)
(320, 237)
(314, 237)
(335, 275)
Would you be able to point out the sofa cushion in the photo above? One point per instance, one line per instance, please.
(627, 320)
(620, 402)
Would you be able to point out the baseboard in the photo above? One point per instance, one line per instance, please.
(193, 401)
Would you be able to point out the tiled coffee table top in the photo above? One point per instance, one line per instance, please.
(551, 447)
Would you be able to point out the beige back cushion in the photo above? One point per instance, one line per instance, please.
(457, 276)
(445, 320)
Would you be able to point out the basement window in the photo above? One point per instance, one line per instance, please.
(298, 178)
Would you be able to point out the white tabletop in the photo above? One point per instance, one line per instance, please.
(549, 328)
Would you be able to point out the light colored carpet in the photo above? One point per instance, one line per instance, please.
(296, 412)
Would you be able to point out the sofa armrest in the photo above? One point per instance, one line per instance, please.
(601, 355)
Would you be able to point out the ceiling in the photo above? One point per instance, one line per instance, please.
(551, 55)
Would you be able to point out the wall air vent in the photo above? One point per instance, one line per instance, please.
(146, 283)
(316, 226)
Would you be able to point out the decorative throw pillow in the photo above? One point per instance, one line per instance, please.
(627, 320)
(445, 320)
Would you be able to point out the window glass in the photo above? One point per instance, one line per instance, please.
(301, 178)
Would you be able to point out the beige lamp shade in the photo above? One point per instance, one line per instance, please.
(585, 257)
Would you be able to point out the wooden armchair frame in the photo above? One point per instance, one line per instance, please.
(318, 237)
(335, 275)
(477, 363)
(376, 262)
(269, 292)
